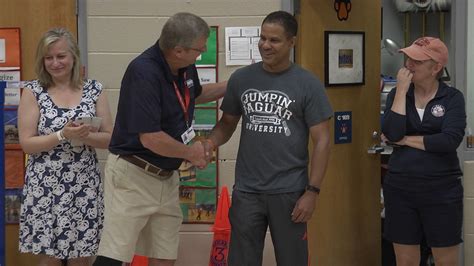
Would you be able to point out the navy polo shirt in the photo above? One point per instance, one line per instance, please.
(443, 126)
(148, 103)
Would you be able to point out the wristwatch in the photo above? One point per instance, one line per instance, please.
(313, 189)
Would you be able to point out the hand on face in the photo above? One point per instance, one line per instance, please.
(404, 78)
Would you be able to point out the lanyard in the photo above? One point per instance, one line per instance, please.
(187, 99)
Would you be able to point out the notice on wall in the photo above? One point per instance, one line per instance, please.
(9, 76)
(207, 75)
(241, 45)
(12, 90)
(12, 96)
(2, 51)
(10, 49)
(342, 127)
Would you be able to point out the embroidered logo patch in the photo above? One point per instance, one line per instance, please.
(438, 110)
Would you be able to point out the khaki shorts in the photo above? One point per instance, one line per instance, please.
(142, 213)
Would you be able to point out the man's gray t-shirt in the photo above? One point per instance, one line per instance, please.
(277, 111)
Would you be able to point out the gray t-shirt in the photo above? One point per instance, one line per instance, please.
(277, 111)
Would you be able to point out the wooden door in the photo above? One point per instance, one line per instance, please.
(34, 17)
(346, 228)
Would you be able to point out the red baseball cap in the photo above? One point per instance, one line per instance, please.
(426, 48)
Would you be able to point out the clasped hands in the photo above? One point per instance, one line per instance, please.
(201, 153)
(73, 130)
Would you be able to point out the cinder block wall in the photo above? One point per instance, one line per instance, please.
(119, 30)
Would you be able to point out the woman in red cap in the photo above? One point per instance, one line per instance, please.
(425, 119)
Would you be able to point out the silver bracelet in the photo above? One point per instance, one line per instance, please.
(60, 135)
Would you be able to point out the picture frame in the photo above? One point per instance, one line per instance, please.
(344, 62)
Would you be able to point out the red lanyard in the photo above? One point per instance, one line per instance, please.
(187, 99)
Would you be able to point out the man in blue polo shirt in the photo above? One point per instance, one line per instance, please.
(153, 125)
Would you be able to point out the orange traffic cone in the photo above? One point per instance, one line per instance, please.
(139, 261)
(221, 228)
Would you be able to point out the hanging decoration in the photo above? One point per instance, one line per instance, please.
(342, 7)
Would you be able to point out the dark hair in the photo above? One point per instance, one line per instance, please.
(285, 19)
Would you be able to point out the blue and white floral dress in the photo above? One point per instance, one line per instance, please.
(62, 207)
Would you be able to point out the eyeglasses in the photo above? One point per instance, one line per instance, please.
(200, 50)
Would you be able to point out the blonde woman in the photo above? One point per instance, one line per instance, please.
(62, 208)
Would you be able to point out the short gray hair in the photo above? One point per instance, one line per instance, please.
(48, 38)
(182, 29)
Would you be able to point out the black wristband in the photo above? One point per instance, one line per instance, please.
(313, 189)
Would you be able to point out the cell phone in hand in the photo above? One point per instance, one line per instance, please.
(96, 121)
(83, 120)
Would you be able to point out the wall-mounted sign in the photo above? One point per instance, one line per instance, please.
(2, 50)
(241, 45)
(10, 49)
(342, 127)
(207, 75)
(12, 91)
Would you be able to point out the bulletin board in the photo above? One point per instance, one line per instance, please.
(10, 58)
(10, 71)
(207, 64)
(198, 187)
(13, 160)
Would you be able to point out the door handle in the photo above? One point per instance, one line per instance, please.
(375, 149)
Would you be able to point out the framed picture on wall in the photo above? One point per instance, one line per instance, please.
(344, 62)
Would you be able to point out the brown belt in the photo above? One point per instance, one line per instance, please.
(150, 168)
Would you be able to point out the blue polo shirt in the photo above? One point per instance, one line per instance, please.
(443, 126)
(148, 103)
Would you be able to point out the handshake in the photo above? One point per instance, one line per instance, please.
(201, 153)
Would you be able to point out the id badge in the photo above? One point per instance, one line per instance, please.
(188, 135)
